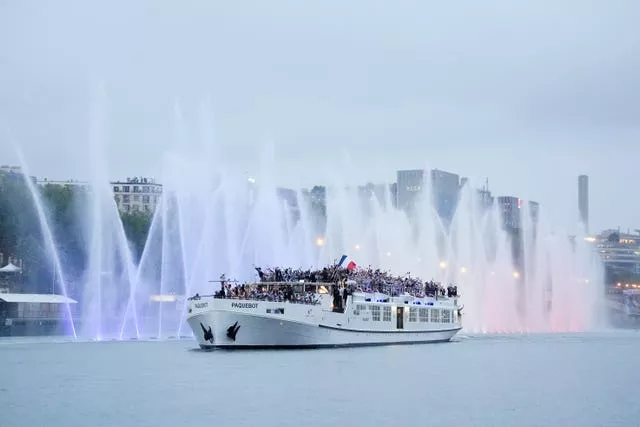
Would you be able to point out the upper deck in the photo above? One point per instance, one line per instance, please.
(303, 292)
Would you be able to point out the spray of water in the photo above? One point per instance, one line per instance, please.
(212, 221)
(48, 237)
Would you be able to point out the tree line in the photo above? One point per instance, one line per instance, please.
(23, 241)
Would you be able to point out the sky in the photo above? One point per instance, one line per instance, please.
(526, 94)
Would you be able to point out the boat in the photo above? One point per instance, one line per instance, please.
(268, 315)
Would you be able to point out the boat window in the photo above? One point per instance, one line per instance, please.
(435, 315)
(446, 316)
(413, 314)
(375, 313)
(424, 314)
(386, 314)
(275, 310)
(365, 313)
(359, 308)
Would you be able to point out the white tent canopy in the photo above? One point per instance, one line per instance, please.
(10, 268)
(37, 298)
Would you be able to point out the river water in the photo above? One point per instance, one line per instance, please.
(524, 380)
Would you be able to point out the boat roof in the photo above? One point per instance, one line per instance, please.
(37, 298)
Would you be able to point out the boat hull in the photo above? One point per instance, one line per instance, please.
(229, 329)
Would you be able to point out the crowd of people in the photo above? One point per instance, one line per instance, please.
(367, 280)
(285, 284)
(279, 293)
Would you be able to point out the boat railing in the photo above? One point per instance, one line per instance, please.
(305, 300)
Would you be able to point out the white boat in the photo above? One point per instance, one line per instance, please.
(323, 320)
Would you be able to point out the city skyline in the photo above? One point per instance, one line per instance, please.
(499, 91)
(141, 193)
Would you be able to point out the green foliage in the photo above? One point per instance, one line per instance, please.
(136, 227)
(21, 235)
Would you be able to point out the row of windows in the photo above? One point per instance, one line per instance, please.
(136, 208)
(415, 314)
(30, 310)
(136, 189)
(126, 198)
(422, 315)
(38, 306)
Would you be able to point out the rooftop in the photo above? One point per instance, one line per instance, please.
(37, 298)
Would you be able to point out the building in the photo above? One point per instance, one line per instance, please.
(509, 207)
(377, 192)
(410, 184)
(81, 185)
(484, 198)
(620, 254)
(534, 213)
(34, 314)
(511, 210)
(137, 194)
(290, 198)
(445, 193)
(393, 194)
(583, 200)
(14, 173)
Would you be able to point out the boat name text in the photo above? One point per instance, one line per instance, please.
(244, 305)
(201, 305)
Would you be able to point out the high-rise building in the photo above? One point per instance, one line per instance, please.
(446, 191)
(444, 186)
(510, 211)
(410, 186)
(534, 212)
(583, 200)
(290, 198)
(393, 194)
(380, 192)
(483, 196)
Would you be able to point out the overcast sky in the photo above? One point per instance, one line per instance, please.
(528, 94)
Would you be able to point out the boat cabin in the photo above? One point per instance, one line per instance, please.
(370, 310)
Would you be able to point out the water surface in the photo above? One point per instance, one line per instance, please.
(534, 380)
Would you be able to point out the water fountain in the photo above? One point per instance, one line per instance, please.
(49, 241)
(211, 221)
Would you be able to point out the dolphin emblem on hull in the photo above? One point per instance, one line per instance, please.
(232, 331)
(208, 335)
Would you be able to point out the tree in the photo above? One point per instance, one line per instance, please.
(136, 226)
(22, 237)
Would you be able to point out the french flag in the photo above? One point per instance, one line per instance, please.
(345, 261)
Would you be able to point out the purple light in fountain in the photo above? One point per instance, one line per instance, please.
(212, 221)
(48, 236)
